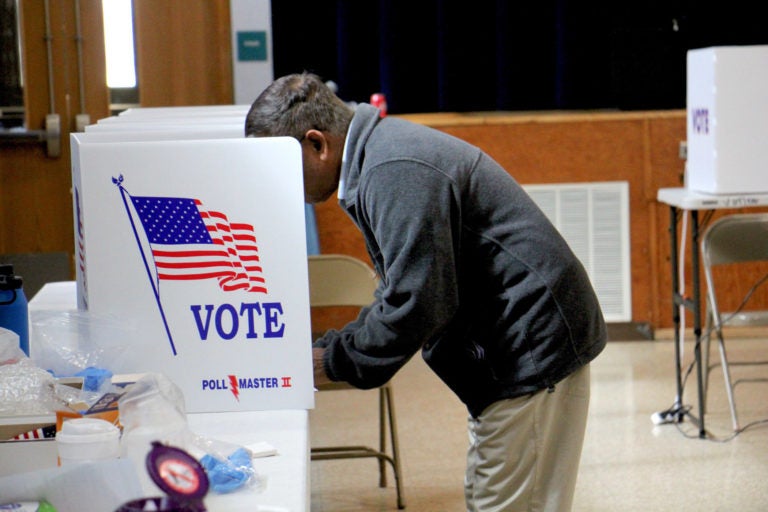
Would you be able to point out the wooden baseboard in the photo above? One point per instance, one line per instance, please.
(629, 331)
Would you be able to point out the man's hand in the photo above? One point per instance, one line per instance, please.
(318, 367)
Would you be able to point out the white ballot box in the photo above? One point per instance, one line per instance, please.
(727, 125)
(198, 248)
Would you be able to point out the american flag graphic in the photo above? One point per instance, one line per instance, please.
(189, 242)
(46, 432)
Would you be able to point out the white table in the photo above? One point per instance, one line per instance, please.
(286, 473)
(690, 200)
(684, 201)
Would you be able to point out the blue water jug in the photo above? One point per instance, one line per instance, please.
(14, 313)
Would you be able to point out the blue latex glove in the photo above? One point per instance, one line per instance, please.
(230, 475)
(93, 377)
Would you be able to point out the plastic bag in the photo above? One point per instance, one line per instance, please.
(70, 341)
(152, 409)
(10, 351)
(24, 388)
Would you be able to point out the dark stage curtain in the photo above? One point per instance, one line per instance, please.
(485, 55)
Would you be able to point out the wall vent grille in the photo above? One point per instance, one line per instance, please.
(594, 220)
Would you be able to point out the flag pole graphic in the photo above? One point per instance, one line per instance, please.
(119, 182)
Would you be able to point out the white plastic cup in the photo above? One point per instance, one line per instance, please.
(87, 440)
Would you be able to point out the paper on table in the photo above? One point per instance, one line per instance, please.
(262, 449)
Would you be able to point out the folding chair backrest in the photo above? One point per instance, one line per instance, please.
(736, 238)
(340, 280)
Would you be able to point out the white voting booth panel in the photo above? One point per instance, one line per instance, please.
(229, 129)
(219, 121)
(182, 128)
(198, 247)
(198, 119)
(189, 116)
(727, 125)
(159, 112)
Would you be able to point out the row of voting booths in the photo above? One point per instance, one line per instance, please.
(193, 239)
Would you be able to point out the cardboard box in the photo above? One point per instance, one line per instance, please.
(727, 121)
(37, 447)
(230, 340)
(12, 426)
(25, 456)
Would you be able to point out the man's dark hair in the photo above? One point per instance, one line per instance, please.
(293, 104)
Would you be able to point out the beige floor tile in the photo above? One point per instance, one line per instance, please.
(628, 464)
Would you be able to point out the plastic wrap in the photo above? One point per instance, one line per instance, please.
(24, 388)
(153, 410)
(68, 342)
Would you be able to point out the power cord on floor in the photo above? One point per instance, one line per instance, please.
(709, 436)
(677, 412)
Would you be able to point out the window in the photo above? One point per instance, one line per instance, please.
(121, 61)
(119, 46)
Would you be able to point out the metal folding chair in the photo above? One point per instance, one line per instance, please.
(338, 280)
(733, 239)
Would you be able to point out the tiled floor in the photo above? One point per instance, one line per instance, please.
(628, 464)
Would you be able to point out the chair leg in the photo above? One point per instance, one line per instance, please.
(383, 434)
(707, 353)
(727, 377)
(386, 415)
(395, 448)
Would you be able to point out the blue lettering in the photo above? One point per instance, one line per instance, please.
(271, 311)
(700, 120)
(250, 308)
(257, 382)
(214, 384)
(227, 319)
(234, 323)
(202, 329)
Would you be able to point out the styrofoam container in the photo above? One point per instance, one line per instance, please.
(87, 440)
(727, 125)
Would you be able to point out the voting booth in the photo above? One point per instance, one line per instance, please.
(727, 125)
(197, 246)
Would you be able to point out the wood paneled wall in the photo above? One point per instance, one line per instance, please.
(35, 189)
(183, 52)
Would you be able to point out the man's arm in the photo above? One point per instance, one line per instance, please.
(319, 367)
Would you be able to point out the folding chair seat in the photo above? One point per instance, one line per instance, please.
(732, 240)
(337, 280)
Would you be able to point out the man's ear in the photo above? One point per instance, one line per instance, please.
(317, 139)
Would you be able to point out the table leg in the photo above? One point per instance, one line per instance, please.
(696, 307)
(677, 408)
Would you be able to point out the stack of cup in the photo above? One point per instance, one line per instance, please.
(87, 440)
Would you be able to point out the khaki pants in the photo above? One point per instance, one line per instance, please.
(524, 452)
